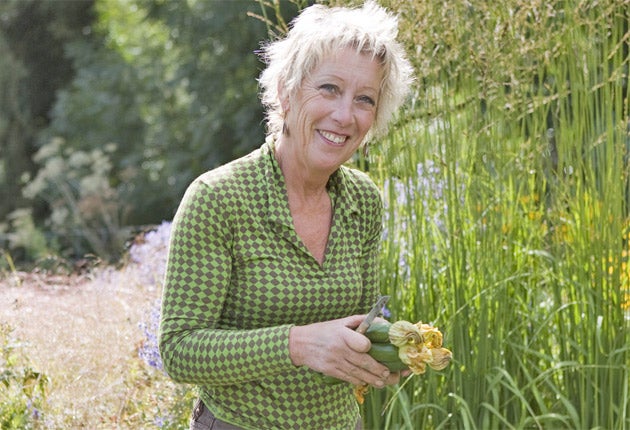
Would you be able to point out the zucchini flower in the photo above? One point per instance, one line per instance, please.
(419, 345)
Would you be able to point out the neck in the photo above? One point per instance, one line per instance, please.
(301, 181)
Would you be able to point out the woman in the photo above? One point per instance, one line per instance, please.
(273, 257)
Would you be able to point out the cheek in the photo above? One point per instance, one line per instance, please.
(366, 120)
(302, 120)
(308, 111)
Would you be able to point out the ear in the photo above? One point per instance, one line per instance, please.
(283, 97)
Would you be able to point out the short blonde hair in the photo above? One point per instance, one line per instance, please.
(317, 32)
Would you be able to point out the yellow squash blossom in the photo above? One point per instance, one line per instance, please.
(419, 345)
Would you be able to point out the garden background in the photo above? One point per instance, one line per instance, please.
(505, 180)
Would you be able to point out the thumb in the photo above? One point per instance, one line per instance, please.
(355, 340)
(353, 321)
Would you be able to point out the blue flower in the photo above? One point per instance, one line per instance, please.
(386, 312)
(149, 350)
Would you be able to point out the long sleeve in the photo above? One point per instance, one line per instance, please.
(194, 347)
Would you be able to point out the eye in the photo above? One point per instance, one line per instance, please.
(367, 100)
(329, 88)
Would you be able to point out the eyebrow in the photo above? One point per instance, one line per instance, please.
(337, 77)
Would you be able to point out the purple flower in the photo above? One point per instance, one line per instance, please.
(148, 255)
(35, 414)
(160, 421)
(149, 350)
(416, 204)
(386, 312)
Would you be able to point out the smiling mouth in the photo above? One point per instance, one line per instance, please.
(333, 137)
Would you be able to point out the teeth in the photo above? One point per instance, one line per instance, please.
(333, 137)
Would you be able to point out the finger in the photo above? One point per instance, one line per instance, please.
(357, 341)
(393, 378)
(364, 367)
(360, 376)
(348, 373)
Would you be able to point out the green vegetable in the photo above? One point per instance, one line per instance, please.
(378, 332)
(395, 366)
(382, 350)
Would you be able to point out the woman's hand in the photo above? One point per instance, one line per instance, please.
(335, 349)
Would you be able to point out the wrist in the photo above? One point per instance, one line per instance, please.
(295, 346)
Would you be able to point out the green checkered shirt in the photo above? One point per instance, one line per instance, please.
(238, 277)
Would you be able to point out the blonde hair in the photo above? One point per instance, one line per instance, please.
(317, 32)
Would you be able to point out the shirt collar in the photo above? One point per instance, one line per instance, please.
(278, 203)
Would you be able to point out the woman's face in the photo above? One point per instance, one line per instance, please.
(332, 111)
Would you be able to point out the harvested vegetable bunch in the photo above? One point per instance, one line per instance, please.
(403, 345)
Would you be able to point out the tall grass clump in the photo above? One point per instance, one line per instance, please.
(506, 190)
(23, 390)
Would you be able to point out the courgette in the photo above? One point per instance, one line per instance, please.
(387, 354)
(378, 332)
(383, 352)
(395, 366)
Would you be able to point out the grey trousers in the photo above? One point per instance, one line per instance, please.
(203, 419)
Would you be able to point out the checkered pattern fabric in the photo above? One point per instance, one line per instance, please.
(238, 277)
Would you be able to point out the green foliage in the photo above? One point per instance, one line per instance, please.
(23, 392)
(33, 67)
(166, 91)
(86, 210)
(506, 186)
(157, 402)
(101, 112)
(24, 235)
(276, 14)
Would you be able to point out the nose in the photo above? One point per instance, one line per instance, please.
(343, 113)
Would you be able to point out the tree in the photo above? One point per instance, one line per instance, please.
(164, 90)
(33, 34)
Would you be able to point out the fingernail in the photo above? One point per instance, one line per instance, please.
(380, 384)
(385, 374)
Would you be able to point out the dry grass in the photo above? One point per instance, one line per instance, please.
(82, 332)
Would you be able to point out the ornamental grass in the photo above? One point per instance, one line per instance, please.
(507, 223)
